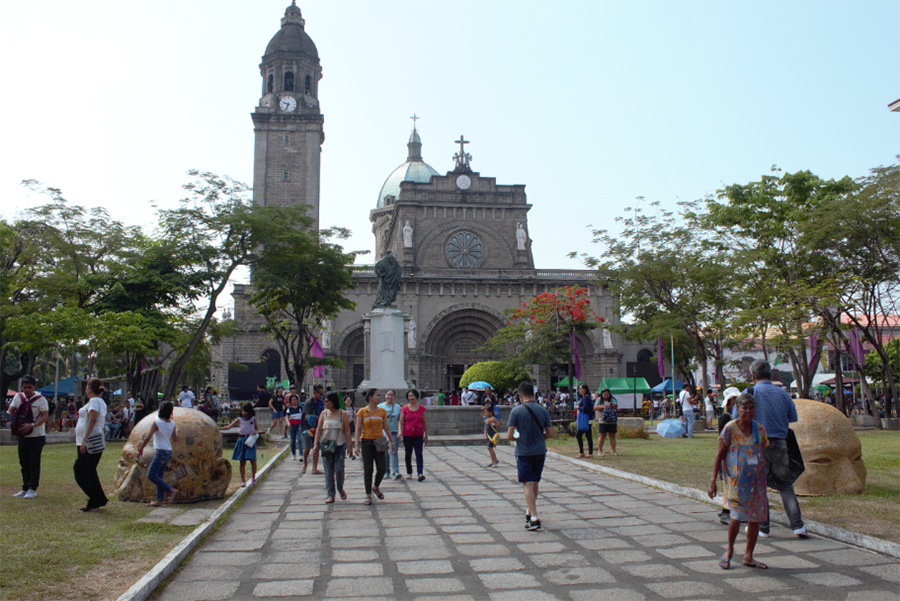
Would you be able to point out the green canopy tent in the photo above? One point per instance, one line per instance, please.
(629, 392)
(564, 383)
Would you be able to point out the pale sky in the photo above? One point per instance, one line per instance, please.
(589, 104)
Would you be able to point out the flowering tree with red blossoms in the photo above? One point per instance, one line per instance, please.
(540, 331)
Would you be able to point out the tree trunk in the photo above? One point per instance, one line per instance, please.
(839, 380)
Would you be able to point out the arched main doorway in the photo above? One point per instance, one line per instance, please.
(451, 342)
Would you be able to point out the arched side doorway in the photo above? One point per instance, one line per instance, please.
(645, 367)
(451, 340)
(351, 349)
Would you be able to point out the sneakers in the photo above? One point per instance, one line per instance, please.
(801, 532)
(527, 521)
(761, 533)
(725, 517)
(20, 494)
(252, 481)
(31, 494)
(533, 525)
(397, 476)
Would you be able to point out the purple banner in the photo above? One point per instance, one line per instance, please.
(576, 360)
(315, 350)
(660, 366)
(813, 347)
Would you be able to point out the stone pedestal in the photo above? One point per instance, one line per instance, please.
(386, 349)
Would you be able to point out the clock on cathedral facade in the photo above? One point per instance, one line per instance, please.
(461, 238)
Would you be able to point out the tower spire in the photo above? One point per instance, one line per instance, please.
(415, 142)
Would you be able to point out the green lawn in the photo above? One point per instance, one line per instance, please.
(688, 462)
(53, 551)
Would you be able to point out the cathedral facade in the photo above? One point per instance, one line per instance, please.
(461, 237)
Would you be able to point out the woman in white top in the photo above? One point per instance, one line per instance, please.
(164, 434)
(333, 425)
(91, 420)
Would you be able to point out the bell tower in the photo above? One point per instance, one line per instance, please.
(288, 122)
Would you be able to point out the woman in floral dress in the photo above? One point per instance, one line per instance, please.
(741, 445)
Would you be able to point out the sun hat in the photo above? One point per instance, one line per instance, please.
(729, 393)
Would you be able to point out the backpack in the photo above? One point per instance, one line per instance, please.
(24, 415)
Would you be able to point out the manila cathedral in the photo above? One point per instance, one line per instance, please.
(461, 238)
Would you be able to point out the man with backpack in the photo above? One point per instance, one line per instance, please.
(534, 427)
(30, 411)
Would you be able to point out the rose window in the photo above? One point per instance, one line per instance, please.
(464, 250)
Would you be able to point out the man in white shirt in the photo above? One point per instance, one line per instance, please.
(32, 443)
(687, 411)
(130, 400)
(186, 398)
(468, 397)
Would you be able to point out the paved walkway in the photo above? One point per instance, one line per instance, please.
(460, 536)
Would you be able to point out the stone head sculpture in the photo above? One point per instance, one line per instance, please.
(831, 451)
(205, 474)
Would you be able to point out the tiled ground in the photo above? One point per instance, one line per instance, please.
(460, 536)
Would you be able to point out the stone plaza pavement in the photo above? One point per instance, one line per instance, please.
(459, 535)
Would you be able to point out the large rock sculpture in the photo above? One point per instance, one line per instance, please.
(831, 451)
(204, 475)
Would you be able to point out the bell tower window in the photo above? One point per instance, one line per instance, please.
(270, 84)
(289, 81)
(308, 85)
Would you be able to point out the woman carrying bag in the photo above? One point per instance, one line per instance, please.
(332, 437)
(583, 421)
(91, 443)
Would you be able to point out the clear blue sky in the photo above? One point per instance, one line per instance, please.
(589, 104)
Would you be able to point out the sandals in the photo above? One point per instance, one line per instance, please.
(409, 476)
(368, 501)
(756, 564)
(579, 456)
(378, 493)
(421, 477)
(724, 562)
(343, 495)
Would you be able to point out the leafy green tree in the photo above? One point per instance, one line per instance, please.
(668, 272)
(299, 279)
(500, 375)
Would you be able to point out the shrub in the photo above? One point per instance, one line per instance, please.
(632, 432)
(498, 374)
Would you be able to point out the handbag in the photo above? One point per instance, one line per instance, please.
(328, 448)
(382, 444)
(250, 441)
(583, 422)
(95, 443)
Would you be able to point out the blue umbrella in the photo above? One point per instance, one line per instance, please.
(479, 386)
(670, 428)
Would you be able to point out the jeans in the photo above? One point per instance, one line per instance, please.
(777, 464)
(689, 424)
(590, 440)
(30, 460)
(157, 470)
(370, 456)
(394, 457)
(334, 470)
(410, 444)
(85, 469)
(295, 434)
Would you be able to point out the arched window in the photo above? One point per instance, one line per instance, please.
(644, 356)
(289, 81)
(270, 84)
(308, 85)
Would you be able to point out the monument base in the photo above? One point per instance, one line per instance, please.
(386, 349)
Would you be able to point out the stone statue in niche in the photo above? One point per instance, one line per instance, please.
(326, 334)
(521, 236)
(389, 271)
(204, 475)
(411, 335)
(407, 235)
(607, 339)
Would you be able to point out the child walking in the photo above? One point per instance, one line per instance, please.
(164, 434)
(246, 425)
(491, 436)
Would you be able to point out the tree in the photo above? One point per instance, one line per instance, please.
(299, 280)
(540, 331)
(783, 283)
(499, 374)
(670, 273)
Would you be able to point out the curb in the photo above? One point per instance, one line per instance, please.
(168, 564)
(864, 541)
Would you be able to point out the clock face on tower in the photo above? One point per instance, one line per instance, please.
(463, 182)
(288, 104)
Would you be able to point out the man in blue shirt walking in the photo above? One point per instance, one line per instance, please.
(775, 411)
(534, 426)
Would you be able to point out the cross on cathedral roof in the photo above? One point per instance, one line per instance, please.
(414, 118)
(462, 157)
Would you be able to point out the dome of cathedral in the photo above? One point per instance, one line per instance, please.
(413, 170)
(291, 37)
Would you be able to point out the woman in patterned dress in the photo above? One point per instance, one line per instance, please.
(741, 445)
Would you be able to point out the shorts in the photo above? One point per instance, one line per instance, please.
(307, 441)
(530, 467)
(608, 428)
(277, 414)
(489, 443)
